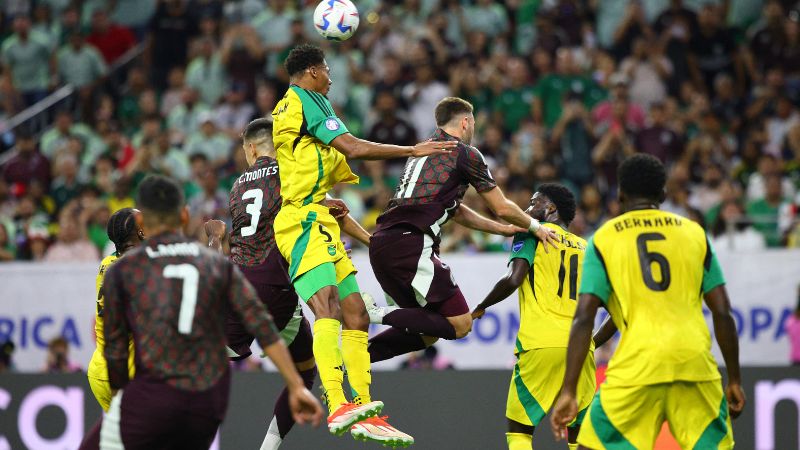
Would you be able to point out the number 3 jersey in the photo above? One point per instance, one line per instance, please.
(547, 296)
(172, 295)
(650, 268)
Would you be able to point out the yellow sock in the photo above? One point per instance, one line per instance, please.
(572, 446)
(329, 360)
(356, 360)
(519, 441)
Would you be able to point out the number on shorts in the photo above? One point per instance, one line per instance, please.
(646, 260)
(254, 209)
(190, 277)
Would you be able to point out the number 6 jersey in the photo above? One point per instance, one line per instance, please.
(650, 268)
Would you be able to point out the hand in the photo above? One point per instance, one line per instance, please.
(478, 313)
(432, 148)
(305, 407)
(547, 236)
(563, 413)
(511, 230)
(736, 400)
(337, 207)
(215, 229)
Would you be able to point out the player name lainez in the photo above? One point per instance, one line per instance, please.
(655, 222)
(177, 249)
(259, 173)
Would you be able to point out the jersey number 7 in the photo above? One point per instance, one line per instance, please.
(190, 277)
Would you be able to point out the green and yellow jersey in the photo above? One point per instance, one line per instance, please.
(548, 296)
(304, 124)
(650, 269)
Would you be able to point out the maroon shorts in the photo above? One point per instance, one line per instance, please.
(152, 415)
(282, 303)
(407, 265)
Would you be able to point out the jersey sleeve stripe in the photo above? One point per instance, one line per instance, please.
(323, 102)
(318, 103)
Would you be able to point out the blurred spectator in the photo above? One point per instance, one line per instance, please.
(58, 357)
(487, 17)
(185, 118)
(552, 87)
(6, 354)
(572, 134)
(515, 101)
(733, 231)
(110, 39)
(173, 96)
(242, 54)
(27, 164)
(614, 145)
(211, 202)
(778, 125)
(767, 166)
(422, 95)
(72, 244)
(8, 251)
(235, 111)
(55, 139)
(648, 69)
(714, 51)
(65, 186)
(658, 139)
(121, 197)
(26, 56)
(206, 73)
(273, 26)
(210, 141)
(171, 28)
(631, 115)
(764, 211)
(793, 331)
(79, 64)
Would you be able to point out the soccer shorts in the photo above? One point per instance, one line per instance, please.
(309, 237)
(536, 383)
(97, 373)
(407, 265)
(630, 417)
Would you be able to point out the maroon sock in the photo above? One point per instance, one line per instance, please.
(393, 342)
(283, 414)
(92, 439)
(420, 321)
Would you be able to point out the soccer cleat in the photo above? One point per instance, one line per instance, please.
(374, 311)
(377, 429)
(349, 414)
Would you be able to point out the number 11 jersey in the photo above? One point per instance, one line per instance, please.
(650, 268)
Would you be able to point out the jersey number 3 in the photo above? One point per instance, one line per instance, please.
(190, 277)
(646, 260)
(254, 209)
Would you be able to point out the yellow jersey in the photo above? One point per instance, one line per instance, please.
(548, 295)
(650, 268)
(304, 125)
(97, 366)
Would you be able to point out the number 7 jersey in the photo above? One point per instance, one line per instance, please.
(650, 268)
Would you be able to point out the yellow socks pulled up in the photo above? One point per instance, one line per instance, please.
(519, 441)
(356, 360)
(329, 361)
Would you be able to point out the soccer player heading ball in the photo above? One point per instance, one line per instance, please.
(651, 269)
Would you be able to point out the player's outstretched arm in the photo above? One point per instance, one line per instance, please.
(725, 331)
(567, 406)
(347, 223)
(469, 218)
(510, 212)
(355, 148)
(605, 332)
(305, 408)
(504, 287)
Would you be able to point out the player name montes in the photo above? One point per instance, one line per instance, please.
(657, 222)
(256, 174)
(178, 249)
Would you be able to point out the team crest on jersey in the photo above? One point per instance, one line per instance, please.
(332, 250)
(517, 246)
(332, 124)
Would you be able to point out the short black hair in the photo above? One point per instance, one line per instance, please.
(302, 57)
(258, 129)
(643, 176)
(121, 227)
(449, 107)
(160, 196)
(562, 198)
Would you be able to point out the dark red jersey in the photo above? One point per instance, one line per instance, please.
(172, 295)
(432, 187)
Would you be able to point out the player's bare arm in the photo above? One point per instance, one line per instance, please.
(355, 148)
(504, 287)
(725, 332)
(349, 225)
(566, 407)
(510, 212)
(605, 332)
(469, 218)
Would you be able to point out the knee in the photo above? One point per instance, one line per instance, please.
(325, 304)
(354, 313)
(462, 325)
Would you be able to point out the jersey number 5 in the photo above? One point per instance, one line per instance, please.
(254, 209)
(646, 260)
(190, 276)
(573, 276)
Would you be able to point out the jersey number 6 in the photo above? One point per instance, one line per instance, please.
(646, 260)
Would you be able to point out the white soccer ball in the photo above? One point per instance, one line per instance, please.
(336, 20)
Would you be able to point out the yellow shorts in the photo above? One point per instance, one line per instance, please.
(631, 417)
(537, 381)
(97, 373)
(308, 237)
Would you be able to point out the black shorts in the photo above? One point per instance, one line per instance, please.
(407, 265)
(152, 415)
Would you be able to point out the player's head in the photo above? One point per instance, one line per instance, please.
(161, 202)
(125, 229)
(454, 115)
(307, 68)
(641, 179)
(257, 140)
(553, 202)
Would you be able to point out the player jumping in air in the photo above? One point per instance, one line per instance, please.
(404, 250)
(171, 295)
(651, 269)
(548, 290)
(254, 201)
(312, 146)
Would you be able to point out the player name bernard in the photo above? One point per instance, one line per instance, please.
(655, 222)
(177, 249)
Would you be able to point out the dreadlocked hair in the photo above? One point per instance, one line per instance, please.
(121, 226)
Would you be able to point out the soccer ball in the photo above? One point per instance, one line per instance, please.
(336, 20)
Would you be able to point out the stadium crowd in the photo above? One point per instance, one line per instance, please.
(563, 90)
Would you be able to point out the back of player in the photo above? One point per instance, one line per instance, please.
(180, 392)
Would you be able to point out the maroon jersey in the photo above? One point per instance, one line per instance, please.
(172, 295)
(254, 202)
(432, 187)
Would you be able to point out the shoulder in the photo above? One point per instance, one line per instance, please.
(105, 263)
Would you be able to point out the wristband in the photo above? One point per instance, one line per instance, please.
(534, 226)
